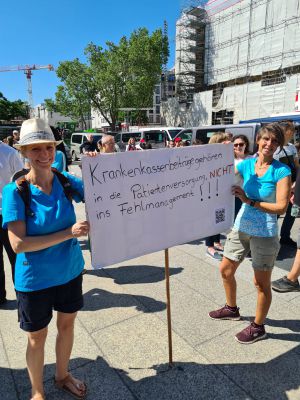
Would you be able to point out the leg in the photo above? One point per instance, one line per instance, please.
(295, 271)
(287, 224)
(10, 253)
(2, 272)
(64, 344)
(227, 270)
(262, 281)
(35, 361)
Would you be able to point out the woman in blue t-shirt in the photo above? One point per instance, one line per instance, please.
(265, 194)
(49, 261)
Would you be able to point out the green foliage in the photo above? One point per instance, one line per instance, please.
(10, 110)
(119, 76)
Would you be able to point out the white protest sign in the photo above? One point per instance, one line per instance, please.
(139, 202)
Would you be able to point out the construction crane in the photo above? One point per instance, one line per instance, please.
(28, 72)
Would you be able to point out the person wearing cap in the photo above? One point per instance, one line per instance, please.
(49, 259)
(142, 145)
(10, 163)
(178, 142)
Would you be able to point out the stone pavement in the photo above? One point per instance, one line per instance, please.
(121, 341)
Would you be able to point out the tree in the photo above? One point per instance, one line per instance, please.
(12, 109)
(119, 76)
(72, 99)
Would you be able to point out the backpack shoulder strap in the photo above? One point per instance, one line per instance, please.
(65, 183)
(25, 194)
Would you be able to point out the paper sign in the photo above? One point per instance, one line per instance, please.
(139, 202)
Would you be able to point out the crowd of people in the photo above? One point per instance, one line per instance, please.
(40, 234)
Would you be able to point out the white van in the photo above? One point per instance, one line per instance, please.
(157, 136)
(204, 133)
(77, 139)
(160, 136)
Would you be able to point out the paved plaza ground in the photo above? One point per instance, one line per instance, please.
(121, 341)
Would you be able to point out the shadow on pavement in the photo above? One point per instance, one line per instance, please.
(276, 379)
(137, 274)
(99, 299)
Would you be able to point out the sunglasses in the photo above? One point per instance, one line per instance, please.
(239, 145)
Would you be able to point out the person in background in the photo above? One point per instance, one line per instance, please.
(265, 193)
(213, 243)
(99, 145)
(108, 144)
(289, 156)
(88, 146)
(49, 259)
(178, 142)
(62, 160)
(10, 162)
(142, 145)
(10, 141)
(171, 144)
(16, 136)
(131, 146)
(289, 282)
(241, 152)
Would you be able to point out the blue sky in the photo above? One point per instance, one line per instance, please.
(46, 32)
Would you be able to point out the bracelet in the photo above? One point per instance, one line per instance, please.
(252, 203)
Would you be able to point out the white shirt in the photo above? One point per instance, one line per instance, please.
(10, 163)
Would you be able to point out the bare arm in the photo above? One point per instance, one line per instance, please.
(283, 189)
(21, 243)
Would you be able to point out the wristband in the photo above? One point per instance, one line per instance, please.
(252, 203)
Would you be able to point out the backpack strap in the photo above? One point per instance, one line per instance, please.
(65, 183)
(25, 194)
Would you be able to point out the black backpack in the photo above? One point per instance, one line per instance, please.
(25, 193)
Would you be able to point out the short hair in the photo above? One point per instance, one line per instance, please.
(245, 139)
(218, 137)
(273, 129)
(106, 138)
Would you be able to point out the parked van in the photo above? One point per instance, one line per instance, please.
(160, 136)
(204, 133)
(77, 139)
(156, 136)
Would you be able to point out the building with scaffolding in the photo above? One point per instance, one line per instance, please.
(235, 60)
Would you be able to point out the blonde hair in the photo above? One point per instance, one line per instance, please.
(218, 137)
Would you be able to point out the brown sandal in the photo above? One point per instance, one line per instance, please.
(62, 384)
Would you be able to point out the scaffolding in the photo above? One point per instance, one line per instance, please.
(190, 52)
(241, 56)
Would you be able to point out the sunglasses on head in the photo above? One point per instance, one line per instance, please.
(239, 145)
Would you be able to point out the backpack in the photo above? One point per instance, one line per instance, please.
(25, 193)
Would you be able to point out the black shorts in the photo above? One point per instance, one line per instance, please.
(35, 308)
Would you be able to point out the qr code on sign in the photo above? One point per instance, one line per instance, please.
(220, 215)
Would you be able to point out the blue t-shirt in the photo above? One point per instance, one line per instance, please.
(57, 264)
(250, 220)
(60, 161)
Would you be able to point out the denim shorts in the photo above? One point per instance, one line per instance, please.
(35, 308)
(264, 250)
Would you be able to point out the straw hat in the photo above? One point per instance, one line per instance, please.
(35, 131)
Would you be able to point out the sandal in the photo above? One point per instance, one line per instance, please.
(218, 247)
(63, 384)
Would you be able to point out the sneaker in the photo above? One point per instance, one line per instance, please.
(285, 285)
(289, 242)
(251, 334)
(215, 255)
(225, 313)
